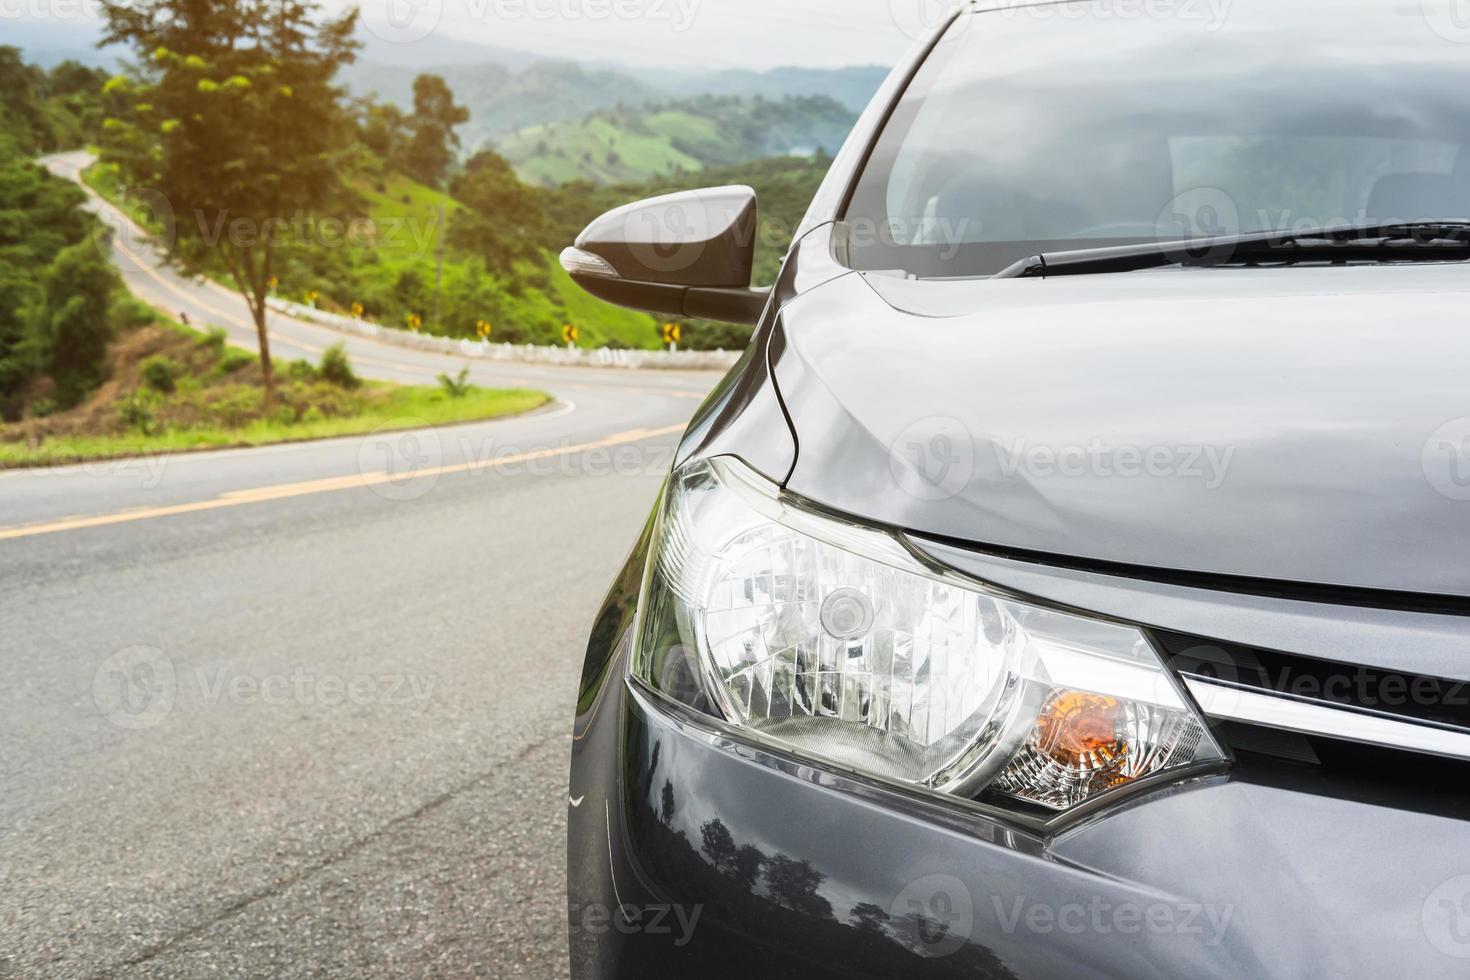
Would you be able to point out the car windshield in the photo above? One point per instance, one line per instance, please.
(1054, 127)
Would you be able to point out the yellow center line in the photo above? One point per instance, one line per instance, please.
(283, 491)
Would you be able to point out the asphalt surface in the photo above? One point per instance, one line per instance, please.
(305, 710)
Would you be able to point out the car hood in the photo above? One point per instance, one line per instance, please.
(1307, 425)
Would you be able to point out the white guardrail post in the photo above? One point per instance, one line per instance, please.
(686, 360)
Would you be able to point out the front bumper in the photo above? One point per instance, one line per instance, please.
(691, 855)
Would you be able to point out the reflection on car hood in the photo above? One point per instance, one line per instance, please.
(1297, 424)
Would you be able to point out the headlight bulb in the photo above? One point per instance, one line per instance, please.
(847, 614)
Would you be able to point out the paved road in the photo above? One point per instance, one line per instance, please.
(304, 711)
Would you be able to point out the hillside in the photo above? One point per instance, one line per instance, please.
(632, 145)
(507, 93)
(483, 250)
(502, 100)
(388, 264)
(853, 87)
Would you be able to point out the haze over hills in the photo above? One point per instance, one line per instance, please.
(503, 99)
(560, 120)
(623, 145)
(852, 87)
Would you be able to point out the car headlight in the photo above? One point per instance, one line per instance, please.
(833, 641)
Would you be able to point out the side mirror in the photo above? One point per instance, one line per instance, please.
(686, 254)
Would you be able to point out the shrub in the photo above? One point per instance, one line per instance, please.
(336, 368)
(301, 371)
(235, 406)
(456, 387)
(215, 340)
(73, 322)
(716, 336)
(129, 313)
(136, 414)
(160, 373)
(233, 360)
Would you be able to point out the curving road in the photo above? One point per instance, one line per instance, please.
(304, 710)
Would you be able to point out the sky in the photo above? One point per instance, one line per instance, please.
(683, 34)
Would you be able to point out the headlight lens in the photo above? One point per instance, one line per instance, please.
(833, 641)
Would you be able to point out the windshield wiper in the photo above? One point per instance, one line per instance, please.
(1377, 242)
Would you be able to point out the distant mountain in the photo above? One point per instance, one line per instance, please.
(502, 101)
(509, 95)
(434, 53)
(852, 87)
(633, 145)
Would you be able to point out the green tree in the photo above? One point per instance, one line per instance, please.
(502, 219)
(384, 129)
(430, 151)
(20, 109)
(39, 216)
(71, 326)
(237, 122)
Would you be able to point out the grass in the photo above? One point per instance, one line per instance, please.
(401, 408)
(214, 400)
(601, 323)
(406, 214)
(596, 149)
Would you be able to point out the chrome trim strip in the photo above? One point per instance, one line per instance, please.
(1222, 701)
